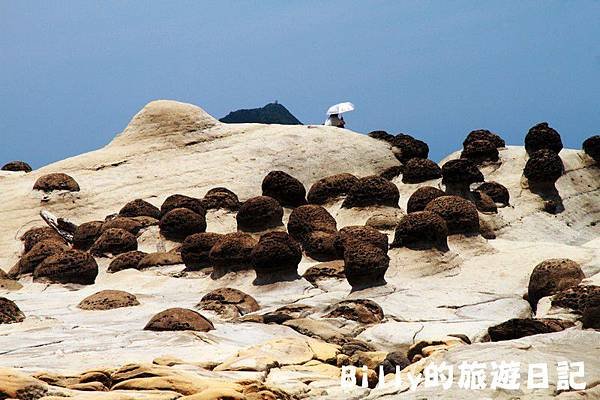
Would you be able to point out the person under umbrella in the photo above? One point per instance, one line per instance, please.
(334, 114)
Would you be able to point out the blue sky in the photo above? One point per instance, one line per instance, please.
(72, 73)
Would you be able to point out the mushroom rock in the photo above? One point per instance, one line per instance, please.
(276, 257)
(393, 360)
(407, 147)
(591, 147)
(181, 201)
(484, 134)
(179, 223)
(10, 312)
(541, 136)
(484, 203)
(71, 266)
(57, 181)
(326, 270)
(517, 328)
(114, 241)
(498, 192)
(421, 230)
(321, 246)
(159, 259)
(138, 208)
(16, 166)
(578, 298)
(372, 191)
(480, 151)
(221, 197)
(259, 213)
(365, 265)
(284, 188)
(179, 319)
(108, 300)
(421, 197)
(366, 234)
(543, 168)
(39, 253)
(458, 175)
(232, 252)
(228, 303)
(195, 249)
(417, 170)
(288, 312)
(590, 317)
(310, 218)
(128, 260)
(86, 234)
(460, 215)
(330, 188)
(360, 310)
(392, 172)
(36, 235)
(130, 225)
(380, 135)
(552, 276)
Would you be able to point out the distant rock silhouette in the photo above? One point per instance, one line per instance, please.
(272, 113)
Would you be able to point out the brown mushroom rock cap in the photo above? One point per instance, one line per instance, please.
(259, 214)
(179, 319)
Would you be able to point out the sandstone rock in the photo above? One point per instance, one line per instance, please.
(421, 197)
(520, 327)
(498, 192)
(484, 134)
(179, 223)
(196, 248)
(541, 136)
(460, 214)
(128, 224)
(361, 310)
(181, 201)
(232, 252)
(259, 214)
(36, 235)
(417, 170)
(330, 188)
(71, 266)
(56, 181)
(275, 257)
(86, 234)
(216, 394)
(348, 235)
(380, 135)
(286, 313)
(10, 313)
(307, 219)
(372, 191)
(365, 265)
(392, 172)
(284, 188)
(159, 259)
(326, 270)
(108, 300)
(591, 146)
(16, 166)
(138, 208)
(16, 385)
(408, 147)
(39, 253)
(552, 276)
(422, 230)
(228, 303)
(220, 197)
(543, 167)
(321, 246)
(393, 360)
(179, 319)
(128, 260)
(386, 219)
(114, 241)
(578, 297)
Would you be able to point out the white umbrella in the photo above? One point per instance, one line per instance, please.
(340, 108)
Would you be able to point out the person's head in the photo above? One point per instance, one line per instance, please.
(333, 115)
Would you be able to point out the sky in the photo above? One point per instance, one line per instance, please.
(73, 73)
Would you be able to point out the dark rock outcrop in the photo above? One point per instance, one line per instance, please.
(330, 188)
(114, 241)
(139, 208)
(276, 257)
(259, 214)
(484, 203)
(484, 134)
(407, 147)
(520, 327)
(348, 235)
(284, 188)
(372, 191)
(56, 181)
(232, 252)
(108, 300)
(10, 312)
(361, 310)
(310, 218)
(541, 136)
(591, 146)
(272, 113)
(128, 260)
(460, 214)
(544, 167)
(421, 197)
(39, 253)
(16, 166)
(396, 360)
(221, 198)
(130, 225)
(320, 246)
(497, 192)
(480, 151)
(86, 234)
(71, 266)
(552, 276)
(326, 270)
(195, 249)
(458, 175)
(578, 297)
(417, 170)
(179, 319)
(228, 303)
(380, 135)
(421, 230)
(392, 172)
(179, 223)
(36, 235)
(181, 201)
(365, 265)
